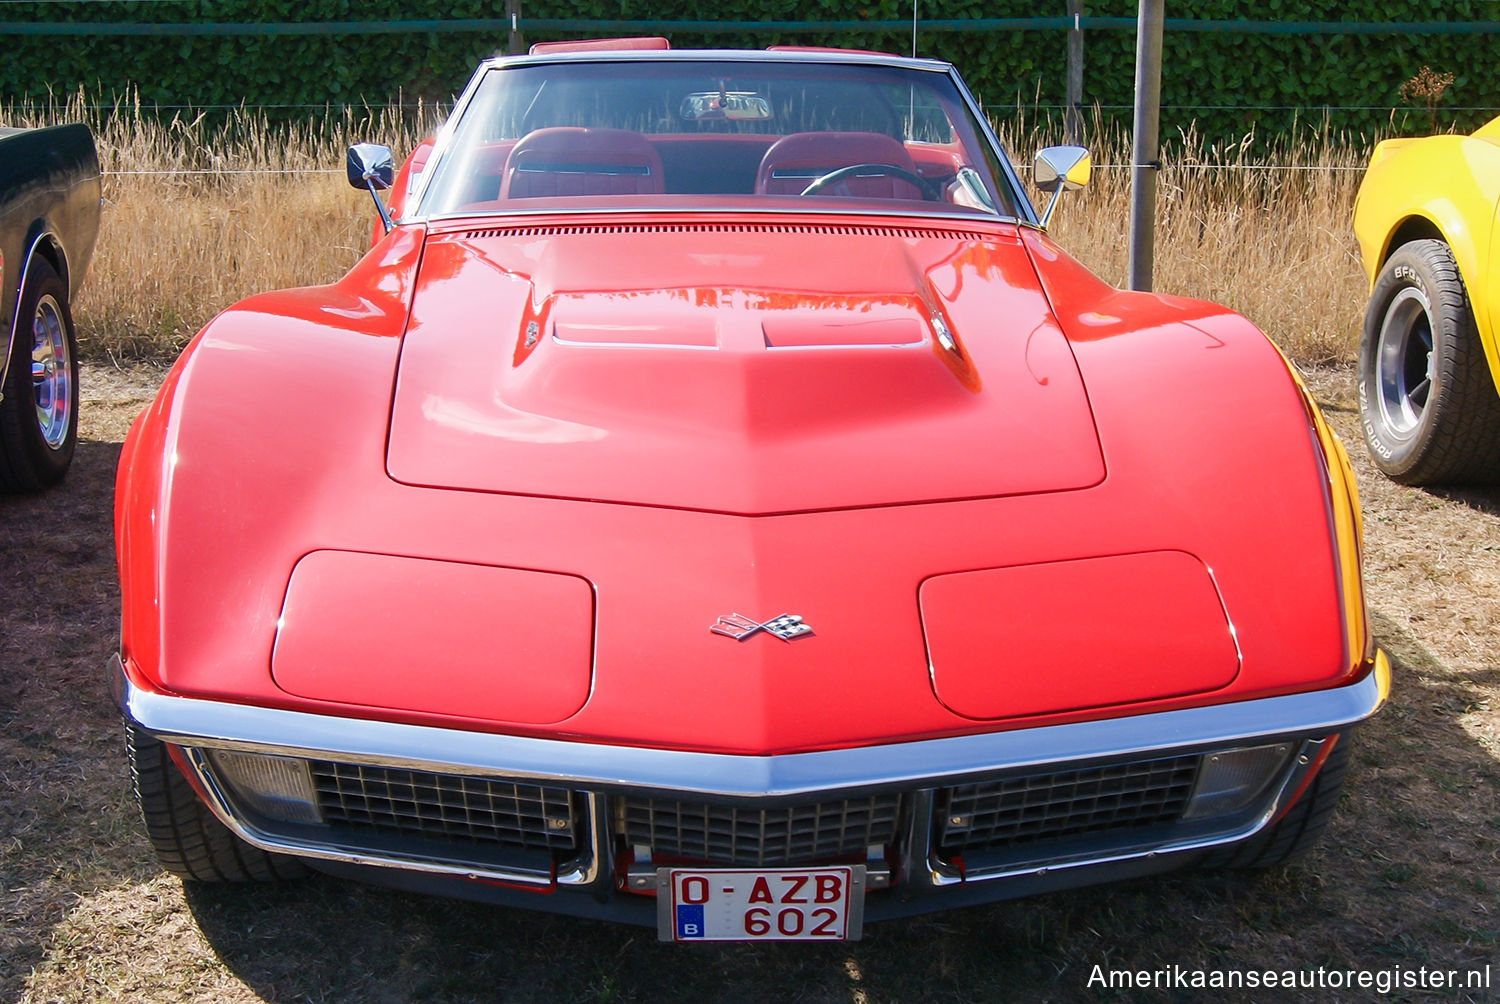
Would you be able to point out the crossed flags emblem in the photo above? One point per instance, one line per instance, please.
(739, 627)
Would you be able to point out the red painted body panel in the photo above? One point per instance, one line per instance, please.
(270, 442)
(1011, 641)
(357, 628)
(743, 387)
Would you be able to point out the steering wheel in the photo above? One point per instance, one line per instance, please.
(928, 190)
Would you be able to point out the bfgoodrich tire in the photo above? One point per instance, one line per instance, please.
(189, 840)
(39, 413)
(1427, 402)
(1292, 835)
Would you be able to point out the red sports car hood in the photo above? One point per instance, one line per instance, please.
(741, 368)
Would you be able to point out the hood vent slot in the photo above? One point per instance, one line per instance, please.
(913, 233)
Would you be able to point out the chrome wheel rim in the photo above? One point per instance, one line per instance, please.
(1403, 361)
(51, 373)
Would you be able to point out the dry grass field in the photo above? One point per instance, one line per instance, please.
(198, 217)
(1407, 876)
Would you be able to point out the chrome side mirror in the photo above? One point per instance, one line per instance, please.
(1061, 169)
(373, 167)
(371, 164)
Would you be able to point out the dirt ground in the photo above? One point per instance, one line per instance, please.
(1407, 877)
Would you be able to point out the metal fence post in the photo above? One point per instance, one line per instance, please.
(517, 43)
(1146, 146)
(1072, 124)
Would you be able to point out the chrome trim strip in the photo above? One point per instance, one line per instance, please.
(575, 343)
(1234, 634)
(592, 869)
(955, 220)
(15, 314)
(849, 57)
(221, 803)
(835, 346)
(417, 189)
(987, 135)
(610, 170)
(193, 722)
(921, 867)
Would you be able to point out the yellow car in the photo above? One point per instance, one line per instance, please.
(1428, 357)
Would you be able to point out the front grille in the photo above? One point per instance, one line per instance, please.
(1097, 801)
(445, 807)
(759, 837)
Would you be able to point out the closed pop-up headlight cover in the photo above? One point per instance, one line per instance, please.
(436, 637)
(1069, 635)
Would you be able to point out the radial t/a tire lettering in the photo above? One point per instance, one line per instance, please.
(1427, 402)
(39, 413)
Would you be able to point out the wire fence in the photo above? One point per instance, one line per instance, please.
(209, 172)
(1038, 106)
(516, 26)
(1045, 112)
(717, 27)
(1022, 168)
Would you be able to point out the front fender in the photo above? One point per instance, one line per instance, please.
(1445, 187)
(1281, 514)
(1451, 182)
(277, 386)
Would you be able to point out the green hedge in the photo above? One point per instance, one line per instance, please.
(262, 70)
(1352, 79)
(1228, 82)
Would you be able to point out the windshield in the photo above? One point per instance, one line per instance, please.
(716, 134)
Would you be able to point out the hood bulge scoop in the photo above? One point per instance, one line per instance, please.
(717, 372)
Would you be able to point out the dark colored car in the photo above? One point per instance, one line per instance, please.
(49, 218)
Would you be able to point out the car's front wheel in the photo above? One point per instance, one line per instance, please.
(1426, 399)
(189, 840)
(39, 412)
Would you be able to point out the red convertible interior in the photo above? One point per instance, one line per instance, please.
(712, 134)
(569, 160)
(565, 161)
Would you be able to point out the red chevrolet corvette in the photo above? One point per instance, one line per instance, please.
(715, 503)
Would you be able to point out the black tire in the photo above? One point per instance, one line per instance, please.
(35, 451)
(1427, 402)
(189, 840)
(1292, 835)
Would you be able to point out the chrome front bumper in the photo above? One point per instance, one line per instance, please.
(597, 771)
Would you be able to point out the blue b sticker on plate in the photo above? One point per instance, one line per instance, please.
(690, 920)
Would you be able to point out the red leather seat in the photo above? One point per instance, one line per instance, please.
(568, 160)
(796, 161)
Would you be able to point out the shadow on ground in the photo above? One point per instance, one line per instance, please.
(66, 824)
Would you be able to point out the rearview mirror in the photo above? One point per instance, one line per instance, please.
(734, 106)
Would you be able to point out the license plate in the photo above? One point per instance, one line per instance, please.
(787, 904)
